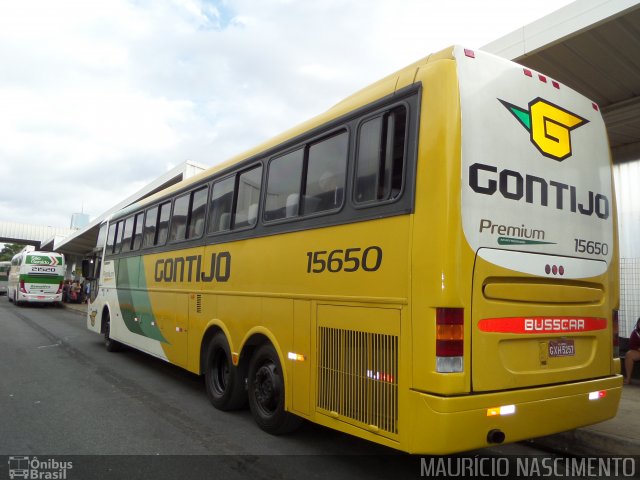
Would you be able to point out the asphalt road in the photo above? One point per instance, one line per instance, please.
(62, 394)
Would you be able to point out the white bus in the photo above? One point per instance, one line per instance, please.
(4, 276)
(36, 277)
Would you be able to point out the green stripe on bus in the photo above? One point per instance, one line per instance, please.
(134, 303)
(48, 279)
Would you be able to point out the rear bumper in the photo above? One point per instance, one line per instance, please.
(39, 297)
(441, 425)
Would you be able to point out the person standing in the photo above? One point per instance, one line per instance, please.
(633, 354)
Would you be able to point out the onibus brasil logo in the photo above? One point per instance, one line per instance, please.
(549, 126)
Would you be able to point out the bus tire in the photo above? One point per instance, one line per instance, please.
(266, 393)
(110, 344)
(224, 382)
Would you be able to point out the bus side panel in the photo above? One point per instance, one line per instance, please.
(440, 264)
(301, 368)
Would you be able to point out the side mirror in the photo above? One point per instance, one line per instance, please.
(87, 269)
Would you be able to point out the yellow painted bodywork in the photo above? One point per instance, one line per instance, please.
(427, 264)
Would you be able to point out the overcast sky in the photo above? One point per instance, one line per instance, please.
(99, 98)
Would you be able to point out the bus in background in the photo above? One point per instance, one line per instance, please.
(4, 276)
(430, 265)
(36, 277)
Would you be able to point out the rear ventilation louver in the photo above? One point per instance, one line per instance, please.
(358, 377)
(198, 303)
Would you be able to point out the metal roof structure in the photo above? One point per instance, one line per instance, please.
(592, 46)
(24, 233)
(83, 241)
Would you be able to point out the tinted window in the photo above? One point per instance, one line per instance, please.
(118, 245)
(380, 159)
(248, 198)
(163, 223)
(128, 234)
(179, 218)
(369, 160)
(197, 212)
(221, 205)
(150, 227)
(137, 232)
(111, 238)
(326, 170)
(283, 186)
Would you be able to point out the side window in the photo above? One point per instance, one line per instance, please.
(163, 223)
(246, 213)
(119, 230)
(127, 234)
(326, 171)
(221, 205)
(197, 212)
(149, 236)
(137, 232)
(111, 238)
(179, 218)
(283, 186)
(380, 157)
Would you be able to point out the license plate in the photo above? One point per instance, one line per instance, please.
(562, 348)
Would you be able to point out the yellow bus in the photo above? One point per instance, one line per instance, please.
(430, 265)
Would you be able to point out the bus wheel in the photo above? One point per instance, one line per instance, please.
(224, 382)
(266, 393)
(110, 344)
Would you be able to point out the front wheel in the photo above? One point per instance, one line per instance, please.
(266, 393)
(110, 344)
(224, 381)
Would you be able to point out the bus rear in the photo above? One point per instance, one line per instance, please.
(38, 277)
(4, 276)
(526, 292)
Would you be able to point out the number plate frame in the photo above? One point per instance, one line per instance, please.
(561, 348)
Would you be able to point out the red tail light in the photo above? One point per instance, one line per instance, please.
(59, 289)
(22, 287)
(615, 334)
(449, 339)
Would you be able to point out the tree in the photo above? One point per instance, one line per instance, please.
(9, 250)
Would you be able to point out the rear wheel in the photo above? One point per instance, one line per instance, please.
(224, 381)
(266, 393)
(110, 344)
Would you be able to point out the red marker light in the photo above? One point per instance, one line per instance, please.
(469, 53)
(527, 72)
(542, 78)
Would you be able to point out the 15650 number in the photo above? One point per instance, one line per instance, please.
(597, 248)
(348, 260)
